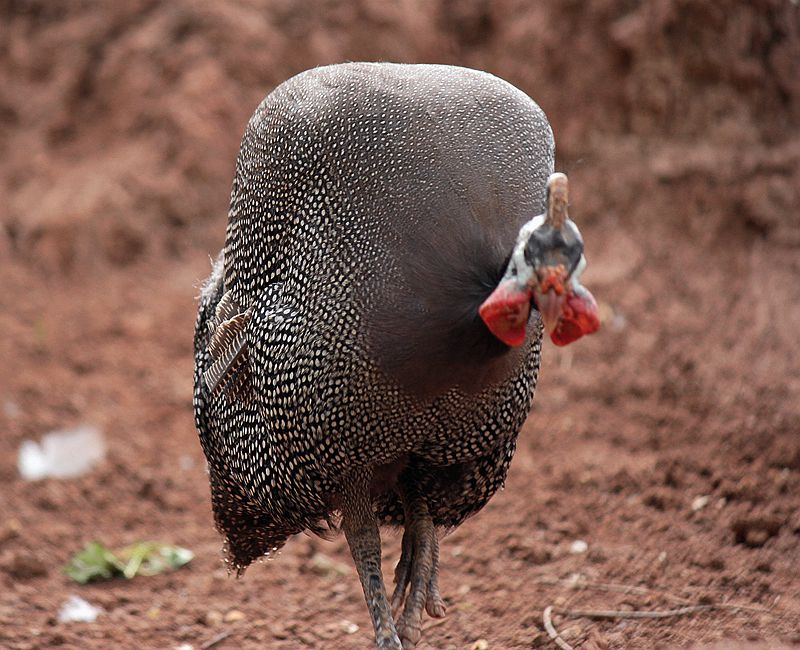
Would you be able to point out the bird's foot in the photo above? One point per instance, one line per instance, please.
(417, 580)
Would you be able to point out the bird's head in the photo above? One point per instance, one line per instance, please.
(544, 269)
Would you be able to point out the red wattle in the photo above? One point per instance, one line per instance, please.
(506, 311)
(579, 317)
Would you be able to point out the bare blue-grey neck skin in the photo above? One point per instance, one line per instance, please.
(550, 239)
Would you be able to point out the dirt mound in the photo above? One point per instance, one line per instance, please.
(669, 442)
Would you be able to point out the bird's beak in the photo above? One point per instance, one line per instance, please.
(549, 290)
(550, 305)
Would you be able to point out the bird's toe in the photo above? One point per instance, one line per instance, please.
(417, 587)
(434, 604)
(402, 574)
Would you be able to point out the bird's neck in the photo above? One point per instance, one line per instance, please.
(438, 341)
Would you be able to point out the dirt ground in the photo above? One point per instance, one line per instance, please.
(669, 443)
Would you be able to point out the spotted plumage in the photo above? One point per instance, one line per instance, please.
(374, 207)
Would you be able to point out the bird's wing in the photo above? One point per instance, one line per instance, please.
(255, 349)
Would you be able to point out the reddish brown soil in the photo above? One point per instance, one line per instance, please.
(679, 124)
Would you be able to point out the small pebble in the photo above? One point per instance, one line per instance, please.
(213, 618)
(348, 626)
(233, 616)
(480, 644)
(700, 502)
(576, 581)
(578, 546)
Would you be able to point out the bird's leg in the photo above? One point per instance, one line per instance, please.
(361, 531)
(417, 570)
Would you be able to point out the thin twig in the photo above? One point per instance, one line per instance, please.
(551, 630)
(612, 613)
(215, 640)
(626, 589)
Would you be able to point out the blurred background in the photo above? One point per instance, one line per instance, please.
(668, 444)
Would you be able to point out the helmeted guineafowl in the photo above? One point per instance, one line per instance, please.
(368, 342)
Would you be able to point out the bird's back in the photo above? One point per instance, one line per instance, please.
(398, 189)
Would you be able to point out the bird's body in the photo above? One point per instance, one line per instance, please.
(341, 365)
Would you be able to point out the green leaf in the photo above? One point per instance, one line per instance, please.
(151, 558)
(97, 562)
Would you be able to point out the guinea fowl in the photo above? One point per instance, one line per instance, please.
(368, 342)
